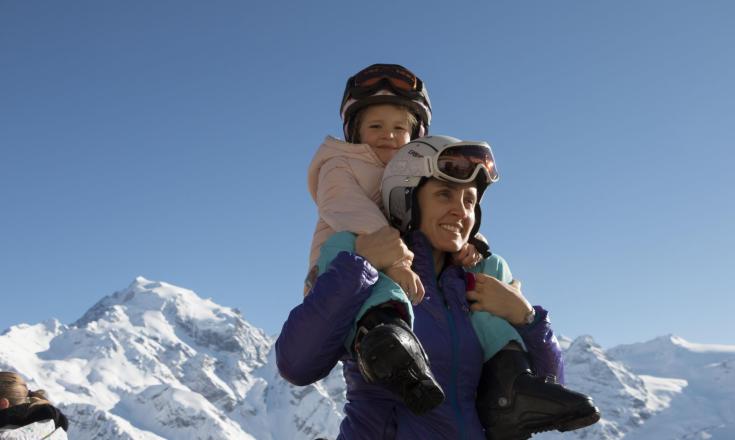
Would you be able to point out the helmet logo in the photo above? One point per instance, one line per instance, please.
(415, 153)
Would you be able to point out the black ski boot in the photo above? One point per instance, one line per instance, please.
(513, 403)
(389, 354)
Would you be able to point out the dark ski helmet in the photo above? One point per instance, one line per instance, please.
(385, 84)
(442, 157)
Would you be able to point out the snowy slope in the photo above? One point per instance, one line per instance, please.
(626, 400)
(156, 361)
(707, 409)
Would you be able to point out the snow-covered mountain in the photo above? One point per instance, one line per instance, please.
(156, 361)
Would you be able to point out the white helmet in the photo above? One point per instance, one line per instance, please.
(442, 157)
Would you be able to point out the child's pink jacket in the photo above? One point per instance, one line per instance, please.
(344, 181)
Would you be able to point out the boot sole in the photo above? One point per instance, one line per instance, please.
(581, 420)
(394, 366)
(584, 416)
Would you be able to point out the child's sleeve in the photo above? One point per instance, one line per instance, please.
(494, 266)
(342, 201)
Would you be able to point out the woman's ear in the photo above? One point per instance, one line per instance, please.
(4, 403)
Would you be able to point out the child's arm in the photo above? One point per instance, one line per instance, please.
(342, 201)
(344, 206)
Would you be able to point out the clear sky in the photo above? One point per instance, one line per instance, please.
(170, 139)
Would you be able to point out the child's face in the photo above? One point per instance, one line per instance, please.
(386, 128)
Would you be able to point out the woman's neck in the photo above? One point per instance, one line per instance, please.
(439, 259)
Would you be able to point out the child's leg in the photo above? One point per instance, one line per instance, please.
(387, 352)
(494, 333)
(384, 292)
(512, 401)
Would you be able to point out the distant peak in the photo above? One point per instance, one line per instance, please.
(144, 295)
(670, 339)
(143, 283)
(677, 340)
(586, 340)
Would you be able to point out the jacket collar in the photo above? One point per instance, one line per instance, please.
(423, 262)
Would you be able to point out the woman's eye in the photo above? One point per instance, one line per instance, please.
(443, 194)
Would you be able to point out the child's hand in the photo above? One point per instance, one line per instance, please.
(408, 280)
(468, 256)
(383, 248)
(503, 300)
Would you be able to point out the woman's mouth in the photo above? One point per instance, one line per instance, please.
(451, 228)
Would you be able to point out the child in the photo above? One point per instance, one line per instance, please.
(384, 107)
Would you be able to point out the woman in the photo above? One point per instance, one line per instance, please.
(432, 197)
(27, 414)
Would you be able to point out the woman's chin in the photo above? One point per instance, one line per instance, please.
(449, 246)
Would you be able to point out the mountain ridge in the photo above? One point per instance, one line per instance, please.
(157, 361)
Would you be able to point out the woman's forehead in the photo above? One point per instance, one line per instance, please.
(453, 185)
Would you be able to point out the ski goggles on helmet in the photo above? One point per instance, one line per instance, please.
(380, 76)
(463, 161)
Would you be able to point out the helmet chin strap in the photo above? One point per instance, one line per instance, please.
(415, 222)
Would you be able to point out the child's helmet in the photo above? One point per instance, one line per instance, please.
(442, 157)
(385, 84)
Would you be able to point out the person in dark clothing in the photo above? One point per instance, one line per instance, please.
(27, 414)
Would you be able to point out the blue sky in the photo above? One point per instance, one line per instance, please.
(171, 139)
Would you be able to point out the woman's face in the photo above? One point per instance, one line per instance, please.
(447, 213)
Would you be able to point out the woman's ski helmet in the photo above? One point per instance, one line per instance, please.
(442, 157)
(385, 84)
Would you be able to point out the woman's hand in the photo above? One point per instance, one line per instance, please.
(383, 248)
(500, 299)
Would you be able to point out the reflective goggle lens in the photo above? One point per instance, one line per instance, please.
(460, 162)
(397, 76)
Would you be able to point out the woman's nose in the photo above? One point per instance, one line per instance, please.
(460, 209)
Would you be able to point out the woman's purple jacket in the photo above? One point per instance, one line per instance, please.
(312, 342)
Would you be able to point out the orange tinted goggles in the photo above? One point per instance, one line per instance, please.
(397, 76)
(462, 162)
